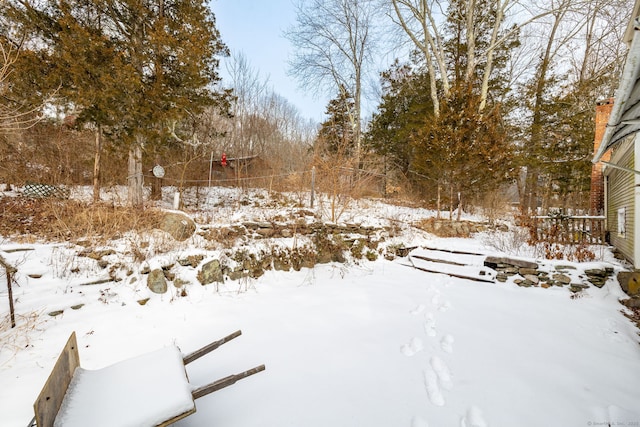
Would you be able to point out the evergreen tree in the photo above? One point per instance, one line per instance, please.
(337, 134)
(463, 152)
(405, 106)
(136, 67)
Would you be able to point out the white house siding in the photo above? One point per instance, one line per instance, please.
(620, 195)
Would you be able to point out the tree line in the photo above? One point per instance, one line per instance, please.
(479, 94)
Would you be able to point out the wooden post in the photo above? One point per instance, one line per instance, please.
(9, 270)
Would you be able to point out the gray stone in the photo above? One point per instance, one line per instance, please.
(562, 278)
(532, 278)
(156, 281)
(565, 267)
(501, 277)
(576, 287)
(596, 272)
(511, 261)
(211, 272)
(178, 225)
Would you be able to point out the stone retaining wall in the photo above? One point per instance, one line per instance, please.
(532, 274)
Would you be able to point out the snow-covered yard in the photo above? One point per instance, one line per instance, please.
(375, 343)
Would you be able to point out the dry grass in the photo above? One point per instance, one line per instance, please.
(54, 219)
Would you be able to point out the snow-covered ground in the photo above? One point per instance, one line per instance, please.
(376, 343)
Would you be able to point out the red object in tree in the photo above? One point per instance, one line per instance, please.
(223, 162)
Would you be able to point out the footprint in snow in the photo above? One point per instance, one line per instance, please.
(442, 372)
(444, 306)
(413, 347)
(430, 325)
(419, 422)
(419, 309)
(436, 300)
(446, 343)
(433, 388)
(473, 418)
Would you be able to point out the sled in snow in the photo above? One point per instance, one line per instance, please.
(149, 390)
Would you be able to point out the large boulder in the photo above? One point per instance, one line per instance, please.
(180, 226)
(630, 282)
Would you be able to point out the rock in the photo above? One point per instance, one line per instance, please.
(178, 225)
(286, 233)
(211, 272)
(577, 287)
(596, 272)
(564, 267)
(55, 313)
(191, 260)
(35, 276)
(77, 306)
(236, 274)
(545, 285)
(562, 278)
(630, 282)
(532, 278)
(631, 302)
(501, 277)
(179, 283)
(143, 301)
(528, 271)
(156, 281)
(494, 260)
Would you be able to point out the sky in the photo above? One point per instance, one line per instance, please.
(256, 28)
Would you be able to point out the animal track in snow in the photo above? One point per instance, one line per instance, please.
(473, 418)
(413, 347)
(430, 325)
(446, 343)
(433, 388)
(442, 372)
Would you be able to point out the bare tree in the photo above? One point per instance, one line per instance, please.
(423, 21)
(334, 42)
(585, 33)
(13, 117)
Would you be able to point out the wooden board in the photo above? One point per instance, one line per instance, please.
(48, 403)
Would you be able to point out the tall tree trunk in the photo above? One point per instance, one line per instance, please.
(135, 177)
(96, 165)
(536, 130)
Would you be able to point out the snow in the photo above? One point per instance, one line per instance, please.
(374, 343)
(144, 390)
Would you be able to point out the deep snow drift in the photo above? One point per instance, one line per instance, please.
(370, 344)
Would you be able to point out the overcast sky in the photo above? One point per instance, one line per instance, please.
(255, 27)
